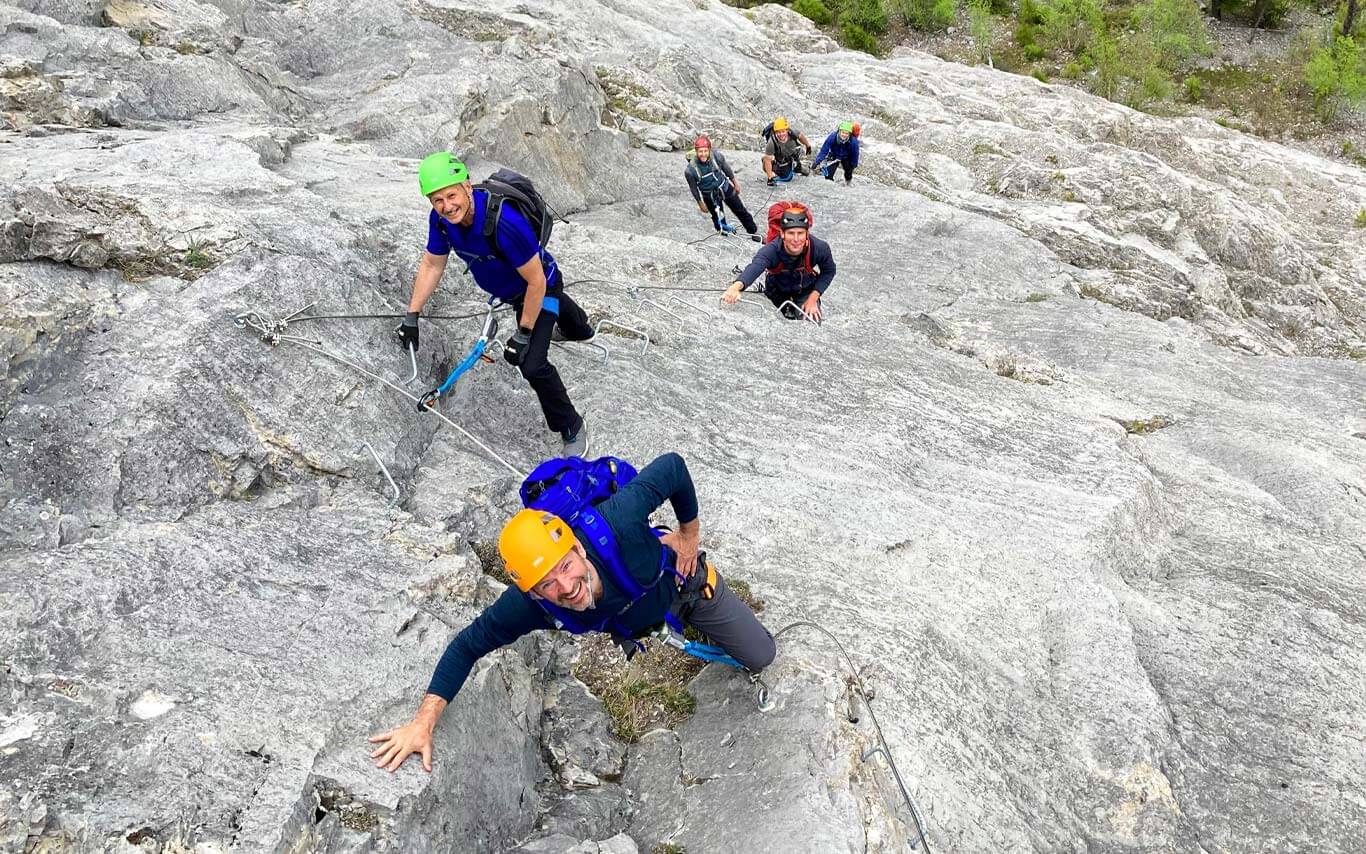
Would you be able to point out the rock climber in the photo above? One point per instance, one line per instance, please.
(712, 183)
(565, 577)
(798, 268)
(783, 155)
(841, 148)
(498, 229)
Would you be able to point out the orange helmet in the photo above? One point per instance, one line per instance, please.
(531, 543)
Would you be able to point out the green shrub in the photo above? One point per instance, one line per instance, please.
(1030, 12)
(1103, 56)
(813, 9)
(1154, 84)
(1072, 71)
(1361, 218)
(1069, 25)
(1194, 89)
(1033, 51)
(868, 15)
(855, 37)
(1336, 75)
(1175, 28)
(979, 24)
(927, 14)
(1040, 75)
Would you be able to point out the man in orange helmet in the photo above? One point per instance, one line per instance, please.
(797, 268)
(613, 574)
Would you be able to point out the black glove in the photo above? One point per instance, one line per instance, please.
(407, 330)
(808, 151)
(515, 349)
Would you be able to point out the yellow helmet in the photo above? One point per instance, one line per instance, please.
(531, 543)
(780, 123)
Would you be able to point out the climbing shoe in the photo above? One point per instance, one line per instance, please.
(773, 182)
(575, 441)
(557, 334)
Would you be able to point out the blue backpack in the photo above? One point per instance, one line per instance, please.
(571, 487)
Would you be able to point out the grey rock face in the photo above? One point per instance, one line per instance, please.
(1073, 468)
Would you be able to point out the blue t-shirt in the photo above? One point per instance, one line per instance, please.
(491, 272)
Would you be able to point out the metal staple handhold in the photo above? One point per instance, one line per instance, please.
(659, 305)
(593, 344)
(385, 471)
(800, 310)
(676, 299)
(644, 338)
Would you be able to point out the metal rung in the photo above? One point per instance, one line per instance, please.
(644, 301)
(563, 345)
(385, 471)
(644, 338)
(412, 357)
(808, 318)
(678, 300)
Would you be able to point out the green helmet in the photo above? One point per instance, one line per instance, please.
(440, 170)
(847, 127)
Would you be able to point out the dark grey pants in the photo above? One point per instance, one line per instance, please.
(726, 621)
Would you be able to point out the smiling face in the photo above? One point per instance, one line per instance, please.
(794, 241)
(844, 136)
(573, 583)
(703, 153)
(454, 203)
(781, 135)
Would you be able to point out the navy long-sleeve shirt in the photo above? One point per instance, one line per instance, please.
(833, 149)
(790, 276)
(515, 614)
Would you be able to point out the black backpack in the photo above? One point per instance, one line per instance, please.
(508, 186)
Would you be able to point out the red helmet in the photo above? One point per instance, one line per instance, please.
(701, 142)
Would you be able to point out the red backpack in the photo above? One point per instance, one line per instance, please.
(775, 215)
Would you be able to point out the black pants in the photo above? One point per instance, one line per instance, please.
(828, 169)
(785, 169)
(799, 298)
(732, 200)
(560, 414)
(726, 621)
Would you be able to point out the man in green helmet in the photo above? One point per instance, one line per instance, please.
(840, 150)
(498, 229)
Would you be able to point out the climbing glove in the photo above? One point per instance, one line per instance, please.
(515, 349)
(407, 330)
